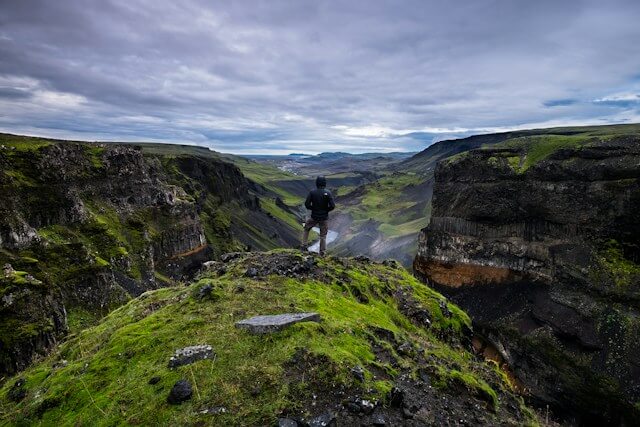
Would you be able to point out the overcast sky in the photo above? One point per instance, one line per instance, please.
(311, 76)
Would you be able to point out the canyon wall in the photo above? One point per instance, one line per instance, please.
(85, 227)
(539, 240)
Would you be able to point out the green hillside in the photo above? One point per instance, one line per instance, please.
(397, 335)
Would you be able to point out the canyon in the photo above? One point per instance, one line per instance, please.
(523, 298)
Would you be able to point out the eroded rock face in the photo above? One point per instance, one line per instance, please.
(97, 224)
(545, 259)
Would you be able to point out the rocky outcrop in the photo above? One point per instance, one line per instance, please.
(97, 224)
(543, 253)
(92, 223)
(33, 318)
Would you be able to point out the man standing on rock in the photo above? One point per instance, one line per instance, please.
(320, 203)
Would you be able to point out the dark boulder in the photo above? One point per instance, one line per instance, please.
(180, 392)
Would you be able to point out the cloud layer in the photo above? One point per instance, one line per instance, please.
(312, 76)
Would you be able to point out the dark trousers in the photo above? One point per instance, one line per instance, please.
(324, 228)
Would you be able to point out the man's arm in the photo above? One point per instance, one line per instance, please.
(331, 205)
(307, 203)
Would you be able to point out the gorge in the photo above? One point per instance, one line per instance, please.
(118, 256)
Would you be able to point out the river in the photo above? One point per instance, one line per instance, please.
(331, 236)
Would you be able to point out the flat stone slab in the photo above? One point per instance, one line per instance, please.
(275, 323)
(187, 355)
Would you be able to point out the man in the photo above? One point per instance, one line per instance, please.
(320, 203)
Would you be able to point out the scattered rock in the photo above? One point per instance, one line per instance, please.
(396, 397)
(358, 373)
(214, 410)
(7, 300)
(444, 309)
(230, 256)
(8, 270)
(363, 259)
(60, 364)
(411, 308)
(378, 420)
(407, 413)
(188, 355)
(363, 406)
(18, 391)
(209, 265)
(405, 349)
(323, 420)
(309, 262)
(274, 323)
(154, 380)
(180, 392)
(353, 407)
(287, 422)
(424, 377)
(204, 292)
(251, 272)
(392, 263)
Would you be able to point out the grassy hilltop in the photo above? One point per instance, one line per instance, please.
(408, 345)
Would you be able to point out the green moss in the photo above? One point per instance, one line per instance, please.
(538, 147)
(474, 384)
(269, 205)
(622, 270)
(101, 262)
(23, 143)
(164, 280)
(79, 318)
(456, 157)
(94, 152)
(19, 178)
(514, 162)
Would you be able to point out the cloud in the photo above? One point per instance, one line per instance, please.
(623, 100)
(311, 76)
(559, 102)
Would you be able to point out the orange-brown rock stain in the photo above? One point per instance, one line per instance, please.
(455, 275)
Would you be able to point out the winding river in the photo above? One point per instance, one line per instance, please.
(331, 236)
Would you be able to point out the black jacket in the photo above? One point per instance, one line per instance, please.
(320, 202)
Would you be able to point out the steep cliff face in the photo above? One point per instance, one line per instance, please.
(538, 238)
(88, 226)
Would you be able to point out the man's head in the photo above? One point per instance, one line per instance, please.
(321, 182)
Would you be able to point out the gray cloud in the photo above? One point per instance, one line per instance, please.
(313, 76)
